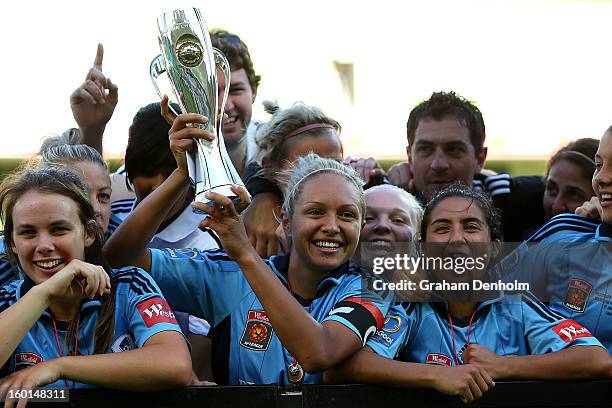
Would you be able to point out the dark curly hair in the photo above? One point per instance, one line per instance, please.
(442, 105)
(458, 189)
(236, 52)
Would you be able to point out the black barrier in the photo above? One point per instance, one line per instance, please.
(504, 395)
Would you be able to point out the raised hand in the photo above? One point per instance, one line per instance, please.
(368, 169)
(591, 208)
(77, 279)
(261, 223)
(182, 132)
(94, 101)
(224, 219)
(400, 175)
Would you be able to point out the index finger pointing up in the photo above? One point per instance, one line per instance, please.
(99, 57)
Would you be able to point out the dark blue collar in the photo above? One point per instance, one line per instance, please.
(26, 286)
(481, 309)
(281, 265)
(604, 232)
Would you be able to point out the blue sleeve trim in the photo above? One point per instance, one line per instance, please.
(122, 206)
(543, 311)
(530, 297)
(139, 283)
(8, 295)
(565, 222)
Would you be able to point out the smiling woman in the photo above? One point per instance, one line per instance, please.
(280, 320)
(66, 153)
(461, 345)
(568, 177)
(69, 309)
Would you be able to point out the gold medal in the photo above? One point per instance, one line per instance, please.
(295, 372)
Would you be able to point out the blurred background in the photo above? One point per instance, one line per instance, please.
(537, 69)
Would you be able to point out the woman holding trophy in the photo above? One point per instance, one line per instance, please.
(281, 320)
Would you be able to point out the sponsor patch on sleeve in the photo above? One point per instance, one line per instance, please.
(569, 330)
(154, 311)
(25, 360)
(187, 253)
(438, 359)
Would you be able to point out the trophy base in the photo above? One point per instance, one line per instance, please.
(235, 200)
(224, 189)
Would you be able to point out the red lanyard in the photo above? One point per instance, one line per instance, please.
(452, 330)
(76, 341)
(295, 372)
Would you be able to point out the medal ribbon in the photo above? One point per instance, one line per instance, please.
(76, 341)
(452, 330)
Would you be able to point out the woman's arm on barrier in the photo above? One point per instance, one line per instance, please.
(572, 363)
(163, 362)
(466, 381)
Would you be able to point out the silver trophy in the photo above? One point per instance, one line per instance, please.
(188, 68)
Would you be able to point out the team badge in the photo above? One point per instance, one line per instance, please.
(577, 295)
(125, 342)
(25, 360)
(257, 332)
(438, 359)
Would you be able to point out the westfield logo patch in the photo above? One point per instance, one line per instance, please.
(25, 360)
(569, 330)
(155, 310)
(439, 359)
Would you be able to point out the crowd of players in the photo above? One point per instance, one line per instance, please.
(272, 289)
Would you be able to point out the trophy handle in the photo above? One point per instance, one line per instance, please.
(156, 69)
(224, 65)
